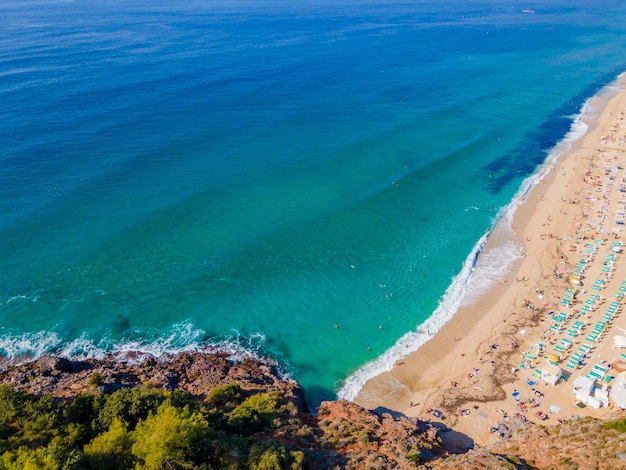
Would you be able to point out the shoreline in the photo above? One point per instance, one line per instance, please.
(436, 376)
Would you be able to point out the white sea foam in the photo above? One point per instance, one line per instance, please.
(82, 348)
(179, 337)
(493, 265)
(17, 349)
(22, 297)
(480, 270)
(28, 345)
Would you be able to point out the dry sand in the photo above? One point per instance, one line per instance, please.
(461, 371)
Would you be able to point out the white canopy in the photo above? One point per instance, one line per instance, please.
(582, 387)
(619, 342)
(551, 373)
(618, 392)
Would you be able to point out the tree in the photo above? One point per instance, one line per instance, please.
(168, 436)
(130, 405)
(256, 412)
(111, 449)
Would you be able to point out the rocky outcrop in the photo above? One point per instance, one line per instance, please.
(371, 440)
(194, 372)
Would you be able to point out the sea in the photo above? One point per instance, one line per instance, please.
(307, 181)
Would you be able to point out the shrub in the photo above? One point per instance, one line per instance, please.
(225, 395)
(167, 437)
(414, 456)
(255, 413)
(513, 459)
(181, 398)
(96, 379)
(41, 420)
(52, 457)
(272, 455)
(130, 405)
(619, 425)
(12, 403)
(217, 450)
(111, 449)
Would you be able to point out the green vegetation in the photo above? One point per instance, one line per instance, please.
(96, 379)
(619, 425)
(144, 428)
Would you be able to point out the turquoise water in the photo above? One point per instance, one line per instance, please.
(303, 180)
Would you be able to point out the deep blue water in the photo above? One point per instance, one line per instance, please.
(176, 174)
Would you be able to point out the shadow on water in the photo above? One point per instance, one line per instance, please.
(531, 151)
(315, 395)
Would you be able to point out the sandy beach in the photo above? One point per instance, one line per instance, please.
(486, 363)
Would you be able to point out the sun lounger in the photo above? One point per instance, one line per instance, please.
(600, 369)
(593, 375)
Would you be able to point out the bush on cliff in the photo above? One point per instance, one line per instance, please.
(171, 435)
(111, 449)
(130, 405)
(254, 413)
(618, 425)
(226, 395)
(271, 455)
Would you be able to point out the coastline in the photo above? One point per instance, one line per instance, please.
(435, 376)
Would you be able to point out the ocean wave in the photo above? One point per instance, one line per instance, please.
(411, 341)
(180, 337)
(481, 270)
(28, 346)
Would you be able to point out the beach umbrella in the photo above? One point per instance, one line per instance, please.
(553, 358)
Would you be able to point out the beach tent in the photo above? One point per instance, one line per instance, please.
(619, 341)
(618, 391)
(582, 388)
(551, 373)
(594, 402)
(602, 395)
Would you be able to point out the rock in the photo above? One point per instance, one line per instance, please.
(196, 372)
(53, 363)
